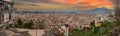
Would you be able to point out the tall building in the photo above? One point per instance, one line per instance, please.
(6, 8)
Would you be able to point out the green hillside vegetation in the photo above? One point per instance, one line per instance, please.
(103, 30)
(29, 24)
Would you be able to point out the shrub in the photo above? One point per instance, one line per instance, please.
(19, 22)
(42, 24)
(29, 24)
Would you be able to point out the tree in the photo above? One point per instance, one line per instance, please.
(19, 22)
(42, 24)
(92, 24)
(29, 24)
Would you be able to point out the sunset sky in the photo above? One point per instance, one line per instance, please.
(62, 4)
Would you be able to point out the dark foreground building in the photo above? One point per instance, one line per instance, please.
(6, 8)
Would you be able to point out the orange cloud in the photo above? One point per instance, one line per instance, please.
(73, 1)
(58, 1)
(88, 2)
(66, 1)
(98, 2)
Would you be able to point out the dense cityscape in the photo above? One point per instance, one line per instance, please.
(98, 21)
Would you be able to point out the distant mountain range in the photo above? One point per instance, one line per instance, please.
(103, 9)
(100, 9)
(96, 10)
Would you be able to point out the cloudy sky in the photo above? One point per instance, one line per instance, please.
(62, 4)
